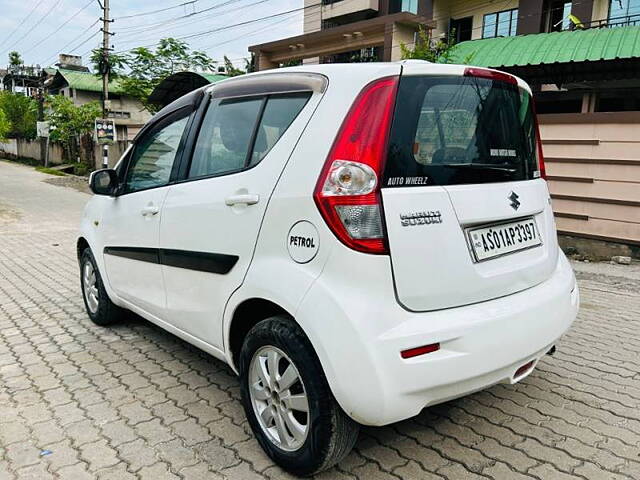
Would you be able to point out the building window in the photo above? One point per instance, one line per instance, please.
(618, 101)
(557, 15)
(117, 114)
(363, 55)
(624, 12)
(396, 6)
(500, 24)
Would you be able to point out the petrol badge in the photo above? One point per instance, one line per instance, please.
(303, 242)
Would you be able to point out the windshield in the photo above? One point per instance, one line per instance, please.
(460, 130)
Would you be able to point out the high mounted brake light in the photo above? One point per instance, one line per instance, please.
(348, 189)
(490, 75)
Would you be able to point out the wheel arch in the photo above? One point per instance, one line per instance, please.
(81, 245)
(245, 315)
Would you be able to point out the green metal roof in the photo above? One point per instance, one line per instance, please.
(88, 81)
(548, 48)
(212, 77)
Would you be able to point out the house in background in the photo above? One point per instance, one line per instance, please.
(581, 57)
(342, 31)
(75, 81)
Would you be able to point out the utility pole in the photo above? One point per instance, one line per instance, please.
(105, 74)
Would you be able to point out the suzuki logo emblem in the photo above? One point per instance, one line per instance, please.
(515, 203)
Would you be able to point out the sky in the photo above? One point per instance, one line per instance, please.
(40, 29)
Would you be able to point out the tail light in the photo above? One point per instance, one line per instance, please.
(348, 189)
(541, 167)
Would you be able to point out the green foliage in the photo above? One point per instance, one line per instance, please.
(50, 171)
(233, 71)
(146, 68)
(15, 59)
(440, 51)
(68, 121)
(5, 126)
(80, 169)
(20, 113)
(291, 63)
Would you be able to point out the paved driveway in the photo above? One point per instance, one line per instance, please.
(79, 401)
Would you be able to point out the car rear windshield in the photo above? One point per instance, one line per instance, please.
(460, 130)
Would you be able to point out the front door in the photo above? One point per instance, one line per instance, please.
(211, 220)
(131, 222)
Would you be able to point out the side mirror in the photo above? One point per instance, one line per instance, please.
(104, 182)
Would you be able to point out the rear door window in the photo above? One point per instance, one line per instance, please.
(460, 130)
(225, 137)
(279, 113)
(238, 133)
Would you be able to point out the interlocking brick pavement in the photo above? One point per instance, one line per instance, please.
(134, 402)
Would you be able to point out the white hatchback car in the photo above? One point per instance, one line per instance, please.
(357, 241)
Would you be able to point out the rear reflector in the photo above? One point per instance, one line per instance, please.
(415, 352)
(523, 369)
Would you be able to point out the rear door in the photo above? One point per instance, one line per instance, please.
(131, 220)
(467, 214)
(211, 219)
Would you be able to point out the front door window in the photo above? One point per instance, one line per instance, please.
(153, 156)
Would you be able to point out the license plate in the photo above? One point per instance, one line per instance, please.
(497, 240)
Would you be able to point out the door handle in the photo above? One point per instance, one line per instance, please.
(149, 210)
(246, 199)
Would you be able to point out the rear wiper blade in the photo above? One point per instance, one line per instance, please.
(481, 166)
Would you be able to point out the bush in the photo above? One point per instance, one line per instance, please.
(20, 114)
(80, 169)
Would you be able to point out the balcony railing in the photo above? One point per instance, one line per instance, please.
(629, 20)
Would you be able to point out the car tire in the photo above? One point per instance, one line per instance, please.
(101, 310)
(329, 433)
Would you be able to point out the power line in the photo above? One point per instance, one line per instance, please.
(153, 12)
(81, 34)
(78, 12)
(144, 26)
(36, 24)
(219, 29)
(250, 34)
(185, 20)
(21, 23)
(218, 14)
(86, 41)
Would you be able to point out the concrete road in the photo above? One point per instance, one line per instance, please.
(79, 401)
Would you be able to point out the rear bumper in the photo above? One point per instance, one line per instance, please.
(360, 334)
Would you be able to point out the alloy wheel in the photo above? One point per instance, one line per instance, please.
(279, 398)
(89, 282)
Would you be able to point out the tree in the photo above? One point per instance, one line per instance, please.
(140, 70)
(5, 126)
(439, 51)
(69, 123)
(21, 113)
(232, 70)
(15, 60)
